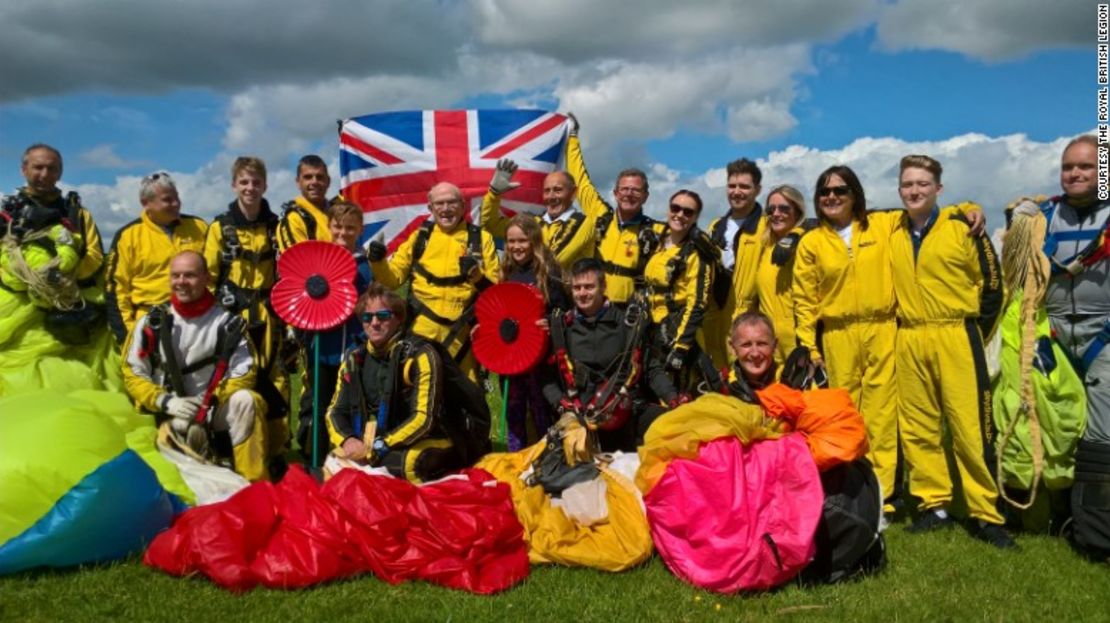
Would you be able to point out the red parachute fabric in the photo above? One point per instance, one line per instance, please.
(316, 289)
(507, 340)
(461, 533)
(738, 518)
(833, 428)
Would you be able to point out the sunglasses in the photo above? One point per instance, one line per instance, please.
(381, 314)
(785, 208)
(839, 191)
(687, 212)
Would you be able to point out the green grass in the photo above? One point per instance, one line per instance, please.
(934, 577)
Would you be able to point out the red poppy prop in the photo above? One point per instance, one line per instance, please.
(316, 291)
(508, 340)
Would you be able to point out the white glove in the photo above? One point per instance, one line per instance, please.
(503, 177)
(1026, 208)
(182, 408)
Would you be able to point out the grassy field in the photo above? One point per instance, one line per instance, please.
(933, 577)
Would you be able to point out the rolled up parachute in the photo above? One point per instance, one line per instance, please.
(78, 478)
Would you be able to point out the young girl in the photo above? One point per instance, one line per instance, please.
(528, 261)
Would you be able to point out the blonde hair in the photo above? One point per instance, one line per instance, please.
(543, 262)
(795, 198)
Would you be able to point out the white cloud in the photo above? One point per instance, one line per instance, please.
(105, 157)
(992, 30)
(988, 170)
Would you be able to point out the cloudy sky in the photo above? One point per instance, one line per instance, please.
(992, 88)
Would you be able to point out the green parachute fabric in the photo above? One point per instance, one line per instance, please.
(81, 480)
(31, 358)
(1061, 407)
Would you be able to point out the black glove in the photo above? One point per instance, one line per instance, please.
(376, 251)
(572, 122)
(799, 371)
(784, 250)
(1044, 360)
(675, 360)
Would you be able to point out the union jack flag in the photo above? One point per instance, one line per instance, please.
(389, 161)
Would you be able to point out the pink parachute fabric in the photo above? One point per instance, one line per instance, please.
(738, 518)
(460, 533)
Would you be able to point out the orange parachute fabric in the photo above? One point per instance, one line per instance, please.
(834, 430)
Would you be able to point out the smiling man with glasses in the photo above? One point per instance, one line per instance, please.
(626, 237)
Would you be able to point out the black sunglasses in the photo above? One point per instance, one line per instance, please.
(688, 212)
(381, 314)
(839, 191)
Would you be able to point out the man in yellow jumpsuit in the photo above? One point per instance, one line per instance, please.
(139, 260)
(626, 237)
(569, 233)
(446, 262)
(949, 289)
(241, 252)
(306, 217)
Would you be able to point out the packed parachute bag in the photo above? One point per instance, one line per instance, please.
(81, 479)
(849, 543)
(579, 507)
(1040, 405)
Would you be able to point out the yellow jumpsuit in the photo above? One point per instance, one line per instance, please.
(949, 299)
(138, 268)
(618, 244)
(679, 292)
(247, 275)
(773, 290)
(440, 305)
(301, 221)
(414, 438)
(570, 237)
(718, 319)
(850, 291)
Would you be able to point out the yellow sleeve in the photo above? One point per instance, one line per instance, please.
(885, 222)
(988, 277)
(212, 244)
(94, 248)
(338, 417)
(697, 281)
(566, 250)
(806, 294)
(118, 290)
(395, 269)
(491, 265)
(588, 198)
(493, 220)
(424, 373)
(291, 230)
(138, 377)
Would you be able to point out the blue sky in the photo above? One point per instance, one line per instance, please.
(731, 79)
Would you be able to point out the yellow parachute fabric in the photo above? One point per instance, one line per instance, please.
(617, 543)
(679, 433)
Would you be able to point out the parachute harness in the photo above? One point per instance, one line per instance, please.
(46, 282)
(1025, 268)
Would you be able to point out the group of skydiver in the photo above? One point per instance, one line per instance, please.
(644, 315)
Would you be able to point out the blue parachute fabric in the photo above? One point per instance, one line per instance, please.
(114, 511)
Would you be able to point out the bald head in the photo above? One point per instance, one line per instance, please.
(558, 193)
(188, 276)
(445, 201)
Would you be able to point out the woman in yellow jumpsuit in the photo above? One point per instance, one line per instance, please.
(678, 277)
(786, 207)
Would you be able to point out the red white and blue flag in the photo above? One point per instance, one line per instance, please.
(389, 161)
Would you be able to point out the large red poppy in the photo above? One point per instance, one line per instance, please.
(507, 340)
(316, 288)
